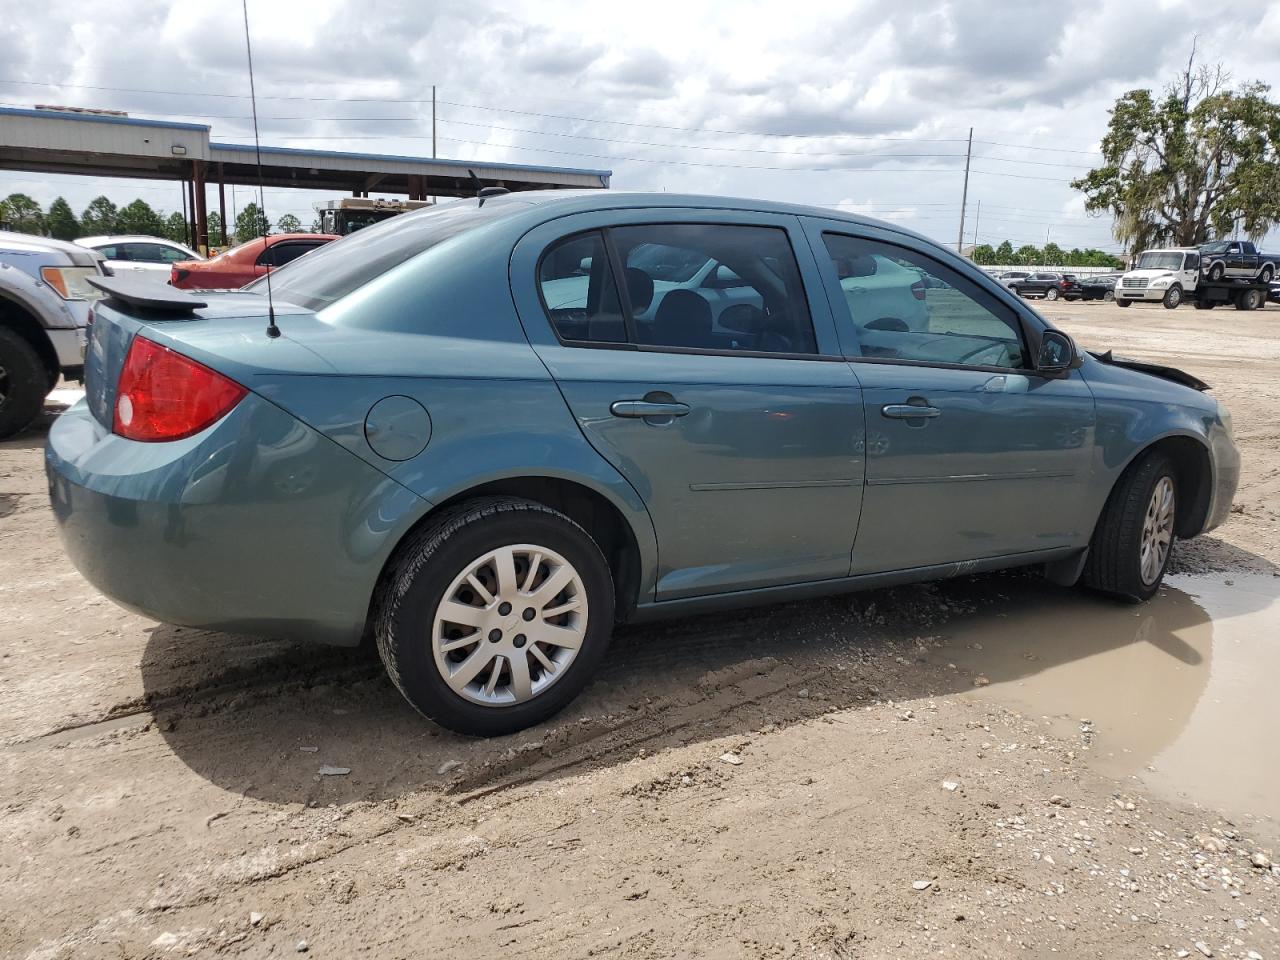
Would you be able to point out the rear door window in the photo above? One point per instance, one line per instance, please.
(577, 287)
(718, 287)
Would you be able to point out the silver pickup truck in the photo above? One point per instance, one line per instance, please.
(44, 310)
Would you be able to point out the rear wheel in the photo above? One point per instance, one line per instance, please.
(496, 616)
(1249, 300)
(1133, 541)
(1052, 294)
(1172, 298)
(24, 383)
(1267, 273)
(1109, 296)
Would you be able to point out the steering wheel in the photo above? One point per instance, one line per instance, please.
(965, 358)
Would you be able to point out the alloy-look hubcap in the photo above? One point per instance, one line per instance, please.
(1157, 531)
(509, 625)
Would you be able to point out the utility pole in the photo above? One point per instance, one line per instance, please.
(976, 217)
(433, 121)
(964, 197)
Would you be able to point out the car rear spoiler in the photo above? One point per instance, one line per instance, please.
(1155, 369)
(147, 294)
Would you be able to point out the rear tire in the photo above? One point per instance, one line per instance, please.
(1052, 293)
(506, 678)
(1267, 273)
(24, 383)
(1109, 296)
(1133, 540)
(1249, 300)
(1172, 298)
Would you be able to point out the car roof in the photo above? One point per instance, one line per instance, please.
(127, 238)
(27, 241)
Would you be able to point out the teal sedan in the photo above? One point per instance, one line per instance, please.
(417, 438)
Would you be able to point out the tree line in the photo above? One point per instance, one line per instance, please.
(101, 217)
(1051, 255)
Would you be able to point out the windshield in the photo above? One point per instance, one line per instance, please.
(673, 264)
(1218, 246)
(336, 269)
(1156, 260)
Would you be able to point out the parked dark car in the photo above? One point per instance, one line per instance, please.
(1100, 287)
(1273, 292)
(1050, 286)
(1236, 258)
(470, 440)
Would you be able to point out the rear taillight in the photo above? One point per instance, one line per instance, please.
(918, 290)
(176, 276)
(163, 395)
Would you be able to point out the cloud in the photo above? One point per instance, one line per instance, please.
(669, 95)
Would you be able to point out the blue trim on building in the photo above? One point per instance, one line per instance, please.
(99, 118)
(392, 158)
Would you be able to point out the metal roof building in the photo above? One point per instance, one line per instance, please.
(106, 144)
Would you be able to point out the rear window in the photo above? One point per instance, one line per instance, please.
(338, 268)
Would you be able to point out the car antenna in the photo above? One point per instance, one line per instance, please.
(272, 330)
(483, 192)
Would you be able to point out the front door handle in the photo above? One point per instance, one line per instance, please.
(638, 409)
(909, 411)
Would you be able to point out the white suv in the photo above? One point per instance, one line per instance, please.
(139, 253)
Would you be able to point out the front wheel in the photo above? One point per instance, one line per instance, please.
(1172, 298)
(1109, 296)
(1052, 293)
(1133, 541)
(495, 616)
(1124, 303)
(1217, 272)
(24, 383)
(1267, 273)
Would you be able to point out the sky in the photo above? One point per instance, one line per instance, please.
(864, 105)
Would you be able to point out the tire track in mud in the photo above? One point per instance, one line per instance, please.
(249, 682)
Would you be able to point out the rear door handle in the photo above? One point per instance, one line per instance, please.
(638, 409)
(909, 411)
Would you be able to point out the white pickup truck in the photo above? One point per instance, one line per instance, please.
(44, 310)
(1161, 276)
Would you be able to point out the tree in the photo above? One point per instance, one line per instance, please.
(215, 228)
(175, 228)
(288, 224)
(23, 214)
(251, 222)
(138, 217)
(99, 217)
(61, 222)
(1004, 254)
(1028, 256)
(1053, 255)
(984, 255)
(1190, 164)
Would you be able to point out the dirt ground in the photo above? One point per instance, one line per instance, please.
(982, 768)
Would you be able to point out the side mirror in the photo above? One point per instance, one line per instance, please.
(1057, 354)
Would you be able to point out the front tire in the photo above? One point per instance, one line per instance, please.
(24, 383)
(1217, 272)
(495, 616)
(1267, 273)
(1172, 298)
(1124, 303)
(1133, 541)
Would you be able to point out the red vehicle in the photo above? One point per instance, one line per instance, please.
(247, 262)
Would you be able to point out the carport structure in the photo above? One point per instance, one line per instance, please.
(112, 144)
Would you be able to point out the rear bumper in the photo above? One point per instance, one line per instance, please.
(258, 525)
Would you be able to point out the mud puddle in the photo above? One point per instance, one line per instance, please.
(1180, 692)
